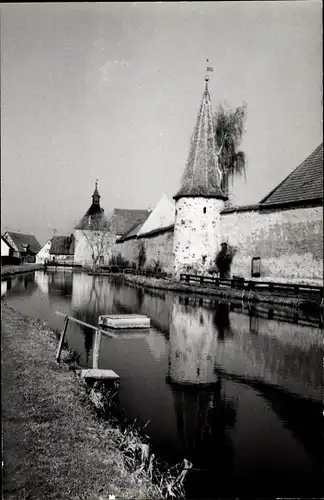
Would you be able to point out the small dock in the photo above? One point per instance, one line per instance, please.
(121, 321)
(97, 374)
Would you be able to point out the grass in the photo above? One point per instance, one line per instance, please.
(54, 444)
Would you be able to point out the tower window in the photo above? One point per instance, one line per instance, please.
(204, 210)
(176, 212)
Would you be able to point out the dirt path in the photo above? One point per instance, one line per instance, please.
(54, 447)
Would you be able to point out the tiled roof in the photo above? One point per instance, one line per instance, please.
(62, 245)
(304, 184)
(23, 241)
(93, 218)
(202, 176)
(132, 233)
(122, 220)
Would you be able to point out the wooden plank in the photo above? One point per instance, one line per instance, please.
(60, 346)
(110, 334)
(97, 374)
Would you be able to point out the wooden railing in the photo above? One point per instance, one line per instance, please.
(252, 285)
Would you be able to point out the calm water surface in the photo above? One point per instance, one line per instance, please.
(237, 394)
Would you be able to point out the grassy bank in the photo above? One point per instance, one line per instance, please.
(54, 445)
(7, 271)
(222, 293)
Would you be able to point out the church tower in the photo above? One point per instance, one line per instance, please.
(200, 200)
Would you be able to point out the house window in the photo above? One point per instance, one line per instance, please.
(204, 210)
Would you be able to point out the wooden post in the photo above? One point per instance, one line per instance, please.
(96, 349)
(60, 346)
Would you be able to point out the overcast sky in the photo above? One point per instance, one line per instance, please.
(111, 91)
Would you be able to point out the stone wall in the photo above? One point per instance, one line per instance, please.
(197, 234)
(289, 242)
(158, 249)
(129, 250)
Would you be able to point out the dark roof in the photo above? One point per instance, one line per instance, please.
(123, 220)
(201, 177)
(132, 233)
(93, 219)
(62, 245)
(243, 208)
(24, 242)
(158, 230)
(304, 184)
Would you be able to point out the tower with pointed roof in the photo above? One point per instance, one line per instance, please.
(199, 201)
(91, 234)
(94, 216)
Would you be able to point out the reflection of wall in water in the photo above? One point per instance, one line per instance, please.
(279, 353)
(42, 281)
(158, 308)
(204, 417)
(22, 283)
(91, 292)
(193, 345)
(4, 286)
(154, 304)
(60, 283)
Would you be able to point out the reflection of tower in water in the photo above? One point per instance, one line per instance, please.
(193, 342)
(203, 413)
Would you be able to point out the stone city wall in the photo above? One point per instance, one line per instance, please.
(289, 242)
(129, 250)
(158, 249)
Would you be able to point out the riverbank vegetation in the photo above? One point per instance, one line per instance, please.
(54, 444)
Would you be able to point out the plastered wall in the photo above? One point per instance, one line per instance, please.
(289, 242)
(197, 234)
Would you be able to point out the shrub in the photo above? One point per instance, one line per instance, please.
(141, 256)
(118, 260)
(224, 260)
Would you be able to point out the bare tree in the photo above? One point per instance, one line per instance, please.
(96, 232)
(229, 126)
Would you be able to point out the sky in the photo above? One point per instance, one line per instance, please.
(112, 90)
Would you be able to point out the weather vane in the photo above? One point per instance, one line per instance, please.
(208, 69)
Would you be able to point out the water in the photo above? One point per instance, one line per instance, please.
(236, 393)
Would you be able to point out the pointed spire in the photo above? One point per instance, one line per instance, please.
(202, 176)
(96, 196)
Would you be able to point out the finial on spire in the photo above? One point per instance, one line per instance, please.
(96, 196)
(208, 69)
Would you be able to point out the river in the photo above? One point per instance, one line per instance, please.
(235, 390)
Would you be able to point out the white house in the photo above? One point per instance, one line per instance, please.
(44, 253)
(6, 249)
